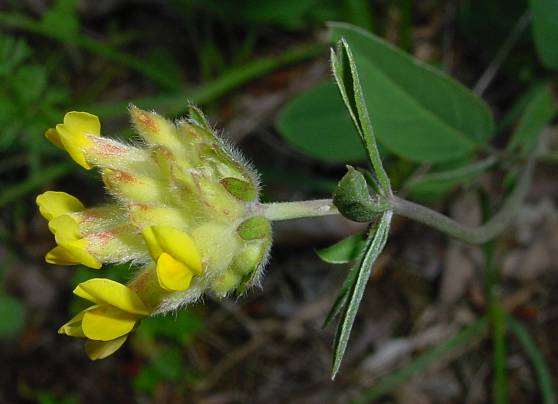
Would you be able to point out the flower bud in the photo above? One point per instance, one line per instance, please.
(353, 198)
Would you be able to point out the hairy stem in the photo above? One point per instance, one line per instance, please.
(296, 210)
(473, 235)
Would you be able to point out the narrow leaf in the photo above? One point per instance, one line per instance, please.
(537, 358)
(374, 246)
(436, 185)
(344, 251)
(347, 78)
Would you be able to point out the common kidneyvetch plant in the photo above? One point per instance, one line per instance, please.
(186, 214)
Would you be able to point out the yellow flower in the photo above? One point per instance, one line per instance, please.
(74, 135)
(176, 255)
(57, 208)
(105, 325)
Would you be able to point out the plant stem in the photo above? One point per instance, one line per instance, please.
(496, 315)
(490, 72)
(296, 210)
(473, 235)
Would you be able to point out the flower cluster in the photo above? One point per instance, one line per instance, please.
(183, 213)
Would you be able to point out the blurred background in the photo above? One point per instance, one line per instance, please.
(244, 62)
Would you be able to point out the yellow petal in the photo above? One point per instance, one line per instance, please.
(172, 274)
(78, 250)
(54, 138)
(64, 228)
(179, 245)
(83, 122)
(104, 323)
(108, 292)
(152, 243)
(73, 134)
(60, 256)
(73, 327)
(73, 248)
(101, 349)
(53, 204)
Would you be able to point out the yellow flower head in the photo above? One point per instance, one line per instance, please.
(74, 135)
(105, 325)
(183, 213)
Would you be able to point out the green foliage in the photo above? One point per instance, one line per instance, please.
(180, 328)
(317, 124)
(47, 397)
(545, 30)
(162, 339)
(165, 366)
(61, 20)
(418, 112)
(12, 316)
(26, 105)
(350, 297)
(344, 251)
(347, 77)
(279, 13)
(437, 184)
(537, 358)
(539, 111)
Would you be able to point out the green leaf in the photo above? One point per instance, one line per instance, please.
(434, 186)
(61, 20)
(537, 358)
(347, 77)
(418, 112)
(545, 30)
(374, 246)
(12, 316)
(180, 328)
(12, 53)
(316, 124)
(540, 110)
(168, 363)
(29, 83)
(344, 251)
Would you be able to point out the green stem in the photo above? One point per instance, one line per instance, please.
(473, 235)
(296, 210)
(498, 327)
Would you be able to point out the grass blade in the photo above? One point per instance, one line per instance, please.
(176, 103)
(537, 359)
